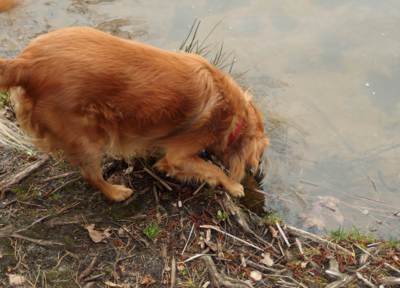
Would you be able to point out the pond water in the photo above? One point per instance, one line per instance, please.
(325, 72)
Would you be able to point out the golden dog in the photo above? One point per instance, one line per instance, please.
(88, 93)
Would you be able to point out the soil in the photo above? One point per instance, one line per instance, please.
(158, 238)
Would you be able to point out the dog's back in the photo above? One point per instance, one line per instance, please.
(129, 88)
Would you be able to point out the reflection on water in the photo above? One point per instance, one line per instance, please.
(325, 72)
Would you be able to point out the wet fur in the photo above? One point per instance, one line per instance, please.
(88, 93)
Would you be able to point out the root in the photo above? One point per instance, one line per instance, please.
(221, 280)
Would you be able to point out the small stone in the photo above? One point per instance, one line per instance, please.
(255, 275)
(128, 170)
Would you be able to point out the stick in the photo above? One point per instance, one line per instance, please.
(366, 281)
(173, 272)
(242, 219)
(221, 280)
(282, 234)
(187, 242)
(391, 281)
(40, 242)
(88, 270)
(197, 256)
(262, 267)
(45, 195)
(299, 246)
(391, 267)
(162, 182)
(341, 283)
(59, 176)
(215, 228)
(315, 238)
(17, 178)
(199, 188)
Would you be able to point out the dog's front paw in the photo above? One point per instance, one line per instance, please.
(119, 193)
(236, 190)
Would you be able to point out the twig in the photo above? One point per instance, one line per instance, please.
(199, 188)
(282, 233)
(342, 283)
(45, 195)
(6, 185)
(4, 204)
(221, 280)
(391, 281)
(41, 219)
(58, 176)
(94, 277)
(366, 281)
(60, 260)
(215, 228)
(187, 242)
(162, 182)
(33, 223)
(262, 267)
(196, 256)
(391, 267)
(242, 219)
(299, 246)
(173, 272)
(33, 240)
(315, 238)
(88, 270)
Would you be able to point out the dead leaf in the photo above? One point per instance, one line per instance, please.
(147, 280)
(267, 260)
(16, 280)
(273, 231)
(96, 235)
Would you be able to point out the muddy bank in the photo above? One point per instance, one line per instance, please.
(56, 231)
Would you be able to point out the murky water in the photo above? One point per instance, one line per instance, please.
(327, 73)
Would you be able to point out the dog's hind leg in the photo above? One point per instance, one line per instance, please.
(88, 158)
(92, 172)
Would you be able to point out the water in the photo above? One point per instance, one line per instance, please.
(325, 72)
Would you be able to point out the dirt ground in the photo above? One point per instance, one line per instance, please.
(56, 231)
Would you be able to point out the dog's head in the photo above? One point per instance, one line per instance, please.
(248, 149)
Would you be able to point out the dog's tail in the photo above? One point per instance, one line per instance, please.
(6, 5)
(10, 135)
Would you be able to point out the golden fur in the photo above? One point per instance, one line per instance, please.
(88, 93)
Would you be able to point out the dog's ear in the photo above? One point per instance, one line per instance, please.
(255, 152)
